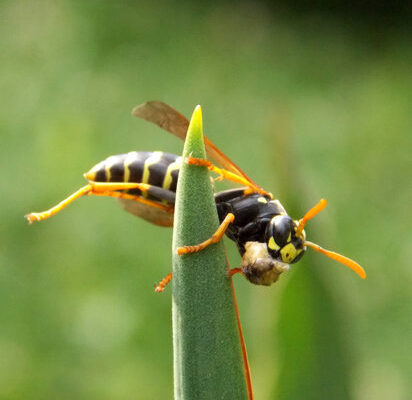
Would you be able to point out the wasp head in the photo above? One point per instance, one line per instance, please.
(285, 243)
(263, 263)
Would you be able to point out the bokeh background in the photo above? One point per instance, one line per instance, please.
(312, 101)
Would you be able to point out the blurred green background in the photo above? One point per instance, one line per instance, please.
(310, 102)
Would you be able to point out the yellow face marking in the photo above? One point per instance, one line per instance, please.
(132, 156)
(272, 244)
(168, 179)
(262, 200)
(289, 237)
(288, 253)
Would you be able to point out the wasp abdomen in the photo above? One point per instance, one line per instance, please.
(154, 168)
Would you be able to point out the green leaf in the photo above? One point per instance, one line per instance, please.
(208, 361)
(313, 358)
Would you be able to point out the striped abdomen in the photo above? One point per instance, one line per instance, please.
(154, 168)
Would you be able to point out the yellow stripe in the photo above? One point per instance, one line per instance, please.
(108, 165)
(153, 159)
(168, 179)
(262, 200)
(132, 156)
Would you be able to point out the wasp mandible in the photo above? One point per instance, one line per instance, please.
(268, 239)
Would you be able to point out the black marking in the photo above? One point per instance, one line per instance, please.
(157, 193)
(175, 177)
(157, 172)
(136, 168)
(101, 175)
(117, 171)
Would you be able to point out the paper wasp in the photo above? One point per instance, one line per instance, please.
(268, 239)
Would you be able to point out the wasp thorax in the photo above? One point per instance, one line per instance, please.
(282, 242)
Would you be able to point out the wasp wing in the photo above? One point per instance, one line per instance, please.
(164, 116)
(151, 214)
(169, 119)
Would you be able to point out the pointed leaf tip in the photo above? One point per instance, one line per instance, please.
(200, 287)
(196, 123)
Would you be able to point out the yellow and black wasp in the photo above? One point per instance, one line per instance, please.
(268, 239)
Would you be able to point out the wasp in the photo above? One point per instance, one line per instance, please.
(268, 239)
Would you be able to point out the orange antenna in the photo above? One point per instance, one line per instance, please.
(309, 215)
(338, 257)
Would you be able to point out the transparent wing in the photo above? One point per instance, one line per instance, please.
(169, 119)
(150, 214)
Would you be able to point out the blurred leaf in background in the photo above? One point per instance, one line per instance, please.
(78, 316)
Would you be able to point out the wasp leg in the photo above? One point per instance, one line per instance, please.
(54, 210)
(216, 237)
(234, 271)
(112, 189)
(120, 195)
(109, 189)
(225, 174)
(162, 284)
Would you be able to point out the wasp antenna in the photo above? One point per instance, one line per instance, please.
(338, 257)
(310, 214)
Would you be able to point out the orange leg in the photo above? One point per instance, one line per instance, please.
(100, 189)
(216, 237)
(225, 174)
(165, 281)
(234, 271)
(54, 210)
(162, 284)
(120, 195)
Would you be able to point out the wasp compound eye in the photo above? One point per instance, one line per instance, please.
(281, 228)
